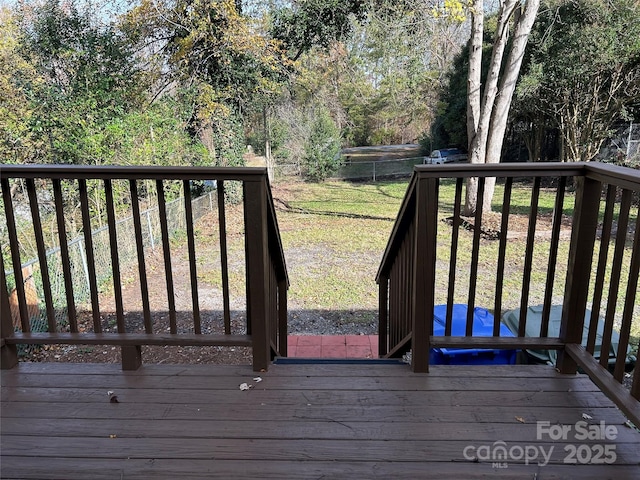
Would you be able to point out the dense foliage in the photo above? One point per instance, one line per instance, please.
(193, 82)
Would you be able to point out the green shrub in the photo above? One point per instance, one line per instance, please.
(322, 149)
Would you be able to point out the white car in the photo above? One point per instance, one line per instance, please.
(445, 155)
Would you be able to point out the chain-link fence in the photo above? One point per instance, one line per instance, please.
(360, 170)
(364, 170)
(127, 254)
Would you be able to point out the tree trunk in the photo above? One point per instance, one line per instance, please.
(500, 113)
(486, 132)
(473, 102)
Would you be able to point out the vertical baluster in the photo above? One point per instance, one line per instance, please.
(393, 304)
(383, 315)
(614, 283)
(475, 254)
(91, 264)
(528, 257)
(605, 238)
(455, 231)
(629, 304)
(502, 253)
(142, 270)
(166, 249)
(42, 254)
(15, 256)
(115, 260)
(553, 256)
(191, 243)
(64, 255)
(282, 317)
(222, 224)
(403, 295)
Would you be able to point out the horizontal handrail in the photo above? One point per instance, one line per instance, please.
(112, 172)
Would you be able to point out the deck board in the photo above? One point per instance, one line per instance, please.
(300, 421)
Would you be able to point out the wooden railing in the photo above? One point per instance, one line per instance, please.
(266, 274)
(422, 268)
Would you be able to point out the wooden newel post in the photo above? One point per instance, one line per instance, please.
(8, 353)
(426, 219)
(583, 235)
(257, 258)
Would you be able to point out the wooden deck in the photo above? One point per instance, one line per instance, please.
(303, 421)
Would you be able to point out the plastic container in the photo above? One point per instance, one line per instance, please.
(532, 329)
(482, 327)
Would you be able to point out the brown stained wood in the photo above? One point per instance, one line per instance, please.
(274, 412)
(605, 238)
(191, 244)
(222, 219)
(404, 218)
(424, 272)
(603, 379)
(257, 257)
(115, 260)
(88, 254)
(144, 469)
(383, 315)
(614, 282)
(435, 450)
(475, 255)
(635, 385)
(166, 250)
(289, 398)
(528, 257)
(629, 304)
(499, 342)
(576, 290)
(282, 317)
(176, 422)
(64, 255)
(553, 256)
(302, 370)
(42, 254)
(502, 251)
(128, 339)
(15, 255)
(110, 172)
(142, 269)
(8, 353)
(131, 357)
(455, 232)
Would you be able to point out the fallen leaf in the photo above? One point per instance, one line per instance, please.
(112, 436)
(586, 416)
(520, 419)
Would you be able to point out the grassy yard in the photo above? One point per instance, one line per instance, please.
(335, 233)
